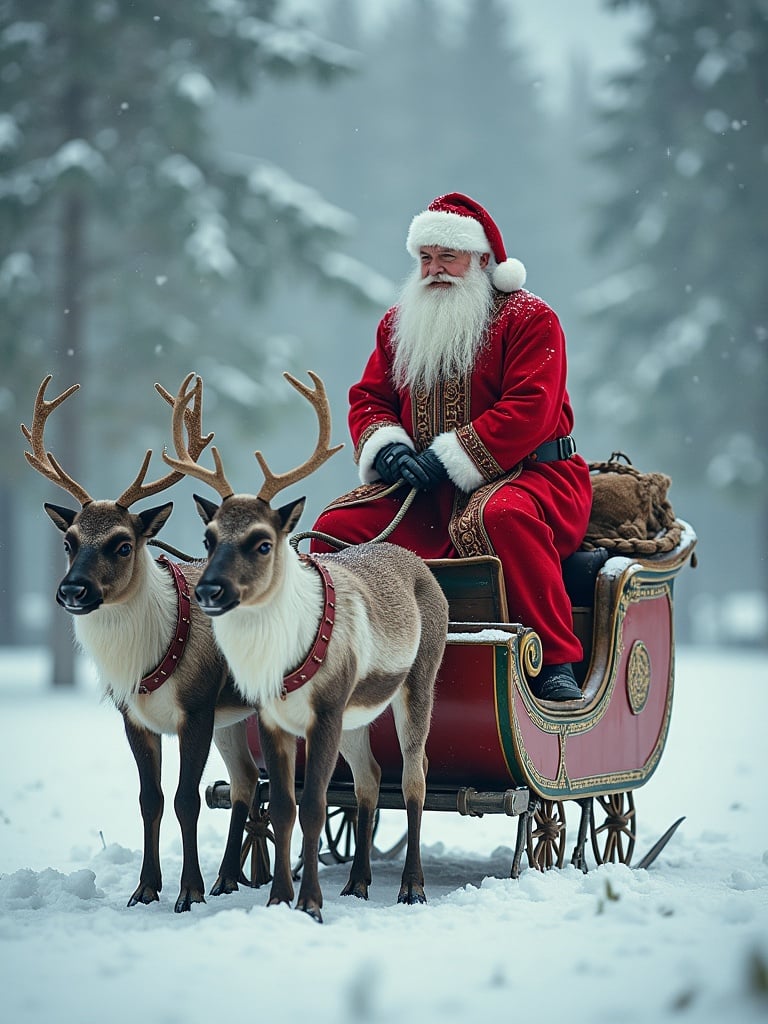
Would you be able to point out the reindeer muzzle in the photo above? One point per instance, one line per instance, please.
(78, 598)
(216, 598)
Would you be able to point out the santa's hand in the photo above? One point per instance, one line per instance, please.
(430, 469)
(389, 460)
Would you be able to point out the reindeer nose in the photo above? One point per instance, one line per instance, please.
(215, 598)
(71, 593)
(78, 598)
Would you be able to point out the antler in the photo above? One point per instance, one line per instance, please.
(185, 463)
(276, 482)
(197, 443)
(38, 458)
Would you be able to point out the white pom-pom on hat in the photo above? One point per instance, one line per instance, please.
(509, 276)
(458, 222)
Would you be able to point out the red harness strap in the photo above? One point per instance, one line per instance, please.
(317, 652)
(168, 665)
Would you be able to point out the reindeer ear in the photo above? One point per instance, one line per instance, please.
(289, 514)
(205, 509)
(154, 518)
(60, 516)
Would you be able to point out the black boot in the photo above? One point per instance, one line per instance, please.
(556, 682)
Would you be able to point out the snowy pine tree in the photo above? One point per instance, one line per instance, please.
(685, 316)
(133, 249)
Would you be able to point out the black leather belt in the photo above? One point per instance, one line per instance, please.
(552, 451)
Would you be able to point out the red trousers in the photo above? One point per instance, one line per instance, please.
(516, 526)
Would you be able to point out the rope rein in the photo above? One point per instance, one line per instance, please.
(174, 551)
(297, 538)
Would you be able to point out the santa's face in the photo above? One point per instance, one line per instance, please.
(438, 263)
(441, 319)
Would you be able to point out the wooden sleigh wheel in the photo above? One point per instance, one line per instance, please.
(546, 837)
(613, 840)
(340, 825)
(258, 834)
(340, 834)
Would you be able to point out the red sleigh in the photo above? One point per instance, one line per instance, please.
(494, 748)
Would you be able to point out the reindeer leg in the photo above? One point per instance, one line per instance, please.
(356, 751)
(279, 750)
(194, 746)
(412, 709)
(146, 748)
(323, 740)
(232, 744)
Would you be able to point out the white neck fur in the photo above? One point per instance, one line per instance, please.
(262, 643)
(127, 640)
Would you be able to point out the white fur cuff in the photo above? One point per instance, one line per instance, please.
(388, 433)
(461, 469)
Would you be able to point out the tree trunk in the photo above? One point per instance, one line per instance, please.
(9, 613)
(70, 366)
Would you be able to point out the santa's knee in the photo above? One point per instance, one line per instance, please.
(513, 514)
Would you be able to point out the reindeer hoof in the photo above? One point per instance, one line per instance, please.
(223, 886)
(186, 898)
(145, 894)
(311, 910)
(359, 889)
(412, 894)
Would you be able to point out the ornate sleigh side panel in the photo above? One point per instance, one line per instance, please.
(489, 733)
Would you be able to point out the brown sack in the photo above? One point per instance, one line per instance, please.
(630, 511)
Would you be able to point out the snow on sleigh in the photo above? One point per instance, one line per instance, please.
(492, 746)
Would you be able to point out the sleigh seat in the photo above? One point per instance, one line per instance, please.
(475, 591)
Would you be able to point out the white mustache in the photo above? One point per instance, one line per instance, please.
(437, 279)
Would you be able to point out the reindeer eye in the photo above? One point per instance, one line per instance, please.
(125, 549)
(67, 547)
(264, 548)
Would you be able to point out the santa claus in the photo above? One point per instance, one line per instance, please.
(464, 398)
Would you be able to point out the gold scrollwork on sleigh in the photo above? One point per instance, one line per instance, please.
(531, 654)
(638, 676)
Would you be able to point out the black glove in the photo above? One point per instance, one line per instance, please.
(387, 461)
(432, 468)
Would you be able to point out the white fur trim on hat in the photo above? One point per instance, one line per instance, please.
(461, 469)
(509, 276)
(386, 434)
(437, 227)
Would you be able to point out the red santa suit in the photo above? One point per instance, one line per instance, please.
(484, 427)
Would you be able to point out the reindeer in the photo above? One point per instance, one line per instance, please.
(154, 652)
(366, 627)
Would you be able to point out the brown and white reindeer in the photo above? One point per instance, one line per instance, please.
(366, 627)
(154, 651)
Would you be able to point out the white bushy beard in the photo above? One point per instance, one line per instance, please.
(438, 331)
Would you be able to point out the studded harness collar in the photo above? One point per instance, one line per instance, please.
(319, 648)
(154, 680)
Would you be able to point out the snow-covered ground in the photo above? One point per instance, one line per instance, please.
(685, 941)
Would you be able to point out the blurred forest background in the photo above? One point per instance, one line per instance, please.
(225, 186)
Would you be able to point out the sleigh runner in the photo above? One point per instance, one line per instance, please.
(494, 748)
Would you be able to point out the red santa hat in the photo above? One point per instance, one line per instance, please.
(458, 222)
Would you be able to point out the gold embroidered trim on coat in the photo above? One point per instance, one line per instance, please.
(443, 407)
(368, 433)
(466, 527)
(478, 453)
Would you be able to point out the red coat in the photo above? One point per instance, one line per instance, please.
(485, 425)
(515, 399)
